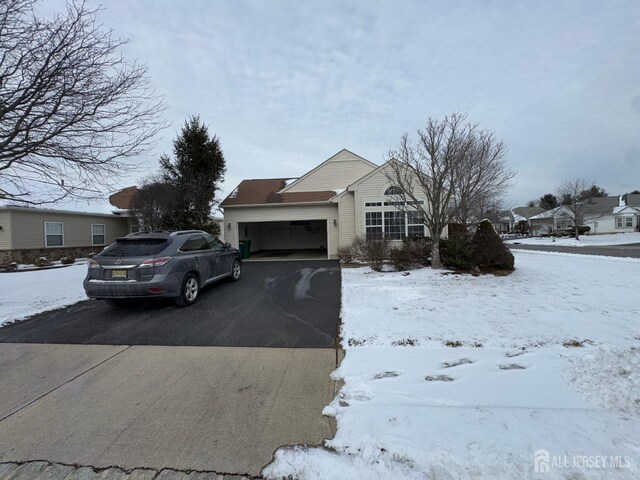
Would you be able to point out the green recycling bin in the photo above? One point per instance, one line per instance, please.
(245, 248)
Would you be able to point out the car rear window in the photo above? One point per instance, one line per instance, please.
(138, 247)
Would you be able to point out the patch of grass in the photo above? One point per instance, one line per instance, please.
(452, 343)
(574, 343)
(405, 342)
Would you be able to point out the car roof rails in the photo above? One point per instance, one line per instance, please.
(185, 232)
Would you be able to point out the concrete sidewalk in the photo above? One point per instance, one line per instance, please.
(220, 409)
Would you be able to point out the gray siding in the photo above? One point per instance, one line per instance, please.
(28, 228)
(5, 233)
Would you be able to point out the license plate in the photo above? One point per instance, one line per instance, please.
(118, 274)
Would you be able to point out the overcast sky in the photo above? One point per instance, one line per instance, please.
(287, 84)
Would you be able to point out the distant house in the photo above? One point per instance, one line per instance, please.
(29, 233)
(343, 197)
(507, 220)
(610, 214)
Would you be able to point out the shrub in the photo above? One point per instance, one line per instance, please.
(42, 262)
(401, 258)
(522, 227)
(419, 249)
(372, 249)
(8, 267)
(67, 260)
(345, 254)
(456, 251)
(489, 251)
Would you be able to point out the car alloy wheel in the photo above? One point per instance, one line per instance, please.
(236, 270)
(189, 291)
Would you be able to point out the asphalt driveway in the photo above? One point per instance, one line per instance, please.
(275, 304)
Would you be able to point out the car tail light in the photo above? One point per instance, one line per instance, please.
(93, 264)
(155, 262)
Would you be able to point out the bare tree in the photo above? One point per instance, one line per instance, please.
(482, 178)
(73, 113)
(574, 200)
(153, 205)
(456, 168)
(429, 169)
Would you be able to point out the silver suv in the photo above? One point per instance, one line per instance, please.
(160, 264)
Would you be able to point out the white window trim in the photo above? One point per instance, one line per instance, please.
(382, 210)
(45, 235)
(104, 233)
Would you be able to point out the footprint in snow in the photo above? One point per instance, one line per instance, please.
(511, 366)
(438, 378)
(515, 354)
(462, 361)
(378, 376)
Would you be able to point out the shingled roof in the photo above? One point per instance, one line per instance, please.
(265, 191)
(124, 198)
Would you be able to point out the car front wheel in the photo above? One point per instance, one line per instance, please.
(189, 291)
(236, 270)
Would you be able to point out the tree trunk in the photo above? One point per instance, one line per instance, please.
(435, 251)
(577, 231)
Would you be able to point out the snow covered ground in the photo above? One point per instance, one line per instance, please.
(514, 390)
(23, 294)
(585, 240)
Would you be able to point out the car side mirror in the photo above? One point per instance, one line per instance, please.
(227, 245)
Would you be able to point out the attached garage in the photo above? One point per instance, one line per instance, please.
(286, 237)
(274, 222)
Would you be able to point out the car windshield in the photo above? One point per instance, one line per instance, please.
(138, 247)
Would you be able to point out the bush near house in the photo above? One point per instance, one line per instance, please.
(489, 251)
(456, 251)
(346, 254)
(372, 249)
(401, 258)
(419, 248)
(42, 262)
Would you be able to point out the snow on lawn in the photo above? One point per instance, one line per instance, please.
(512, 392)
(585, 240)
(551, 298)
(23, 294)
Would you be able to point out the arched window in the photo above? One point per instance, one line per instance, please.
(393, 190)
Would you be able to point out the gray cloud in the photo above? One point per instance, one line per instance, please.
(286, 84)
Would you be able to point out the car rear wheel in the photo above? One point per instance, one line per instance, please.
(236, 270)
(189, 291)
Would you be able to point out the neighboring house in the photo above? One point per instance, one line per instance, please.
(610, 214)
(29, 233)
(507, 220)
(123, 201)
(343, 197)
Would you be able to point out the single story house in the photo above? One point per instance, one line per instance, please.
(507, 220)
(29, 233)
(327, 207)
(611, 214)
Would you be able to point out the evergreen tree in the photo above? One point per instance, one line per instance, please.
(548, 201)
(593, 191)
(194, 173)
(489, 251)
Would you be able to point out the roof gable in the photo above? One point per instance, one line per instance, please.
(335, 173)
